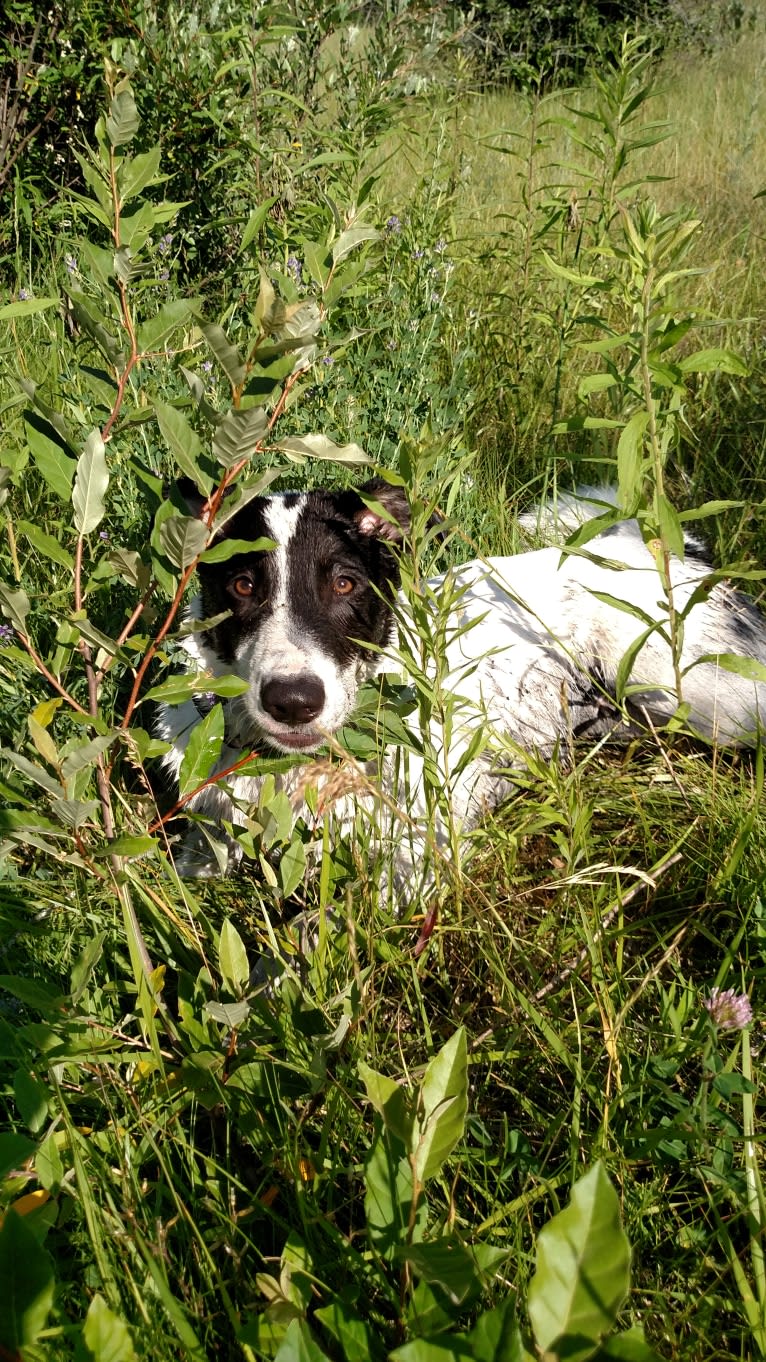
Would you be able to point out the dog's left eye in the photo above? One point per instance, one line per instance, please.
(242, 586)
(343, 586)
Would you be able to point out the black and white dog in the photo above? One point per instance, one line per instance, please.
(532, 656)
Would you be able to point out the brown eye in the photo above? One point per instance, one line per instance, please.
(343, 586)
(242, 586)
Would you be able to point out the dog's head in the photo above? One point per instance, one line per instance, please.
(308, 615)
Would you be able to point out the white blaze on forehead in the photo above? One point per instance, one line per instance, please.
(281, 522)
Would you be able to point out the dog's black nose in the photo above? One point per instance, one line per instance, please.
(293, 699)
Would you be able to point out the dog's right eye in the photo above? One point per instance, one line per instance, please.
(242, 586)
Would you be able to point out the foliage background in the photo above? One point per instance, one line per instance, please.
(180, 1194)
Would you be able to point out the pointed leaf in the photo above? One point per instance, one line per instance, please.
(442, 1108)
(183, 442)
(51, 455)
(202, 750)
(106, 1336)
(583, 1271)
(713, 362)
(630, 458)
(137, 172)
(182, 687)
(320, 447)
(26, 1273)
(183, 539)
(227, 355)
(122, 120)
(238, 434)
(15, 606)
(90, 484)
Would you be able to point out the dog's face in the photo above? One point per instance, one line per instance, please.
(307, 616)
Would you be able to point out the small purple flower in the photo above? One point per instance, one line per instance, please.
(71, 264)
(435, 298)
(294, 267)
(207, 365)
(440, 246)
(393, 224)
(103, 536)
(418, 255)
(164, 243)
(163, 276)
(328, 359)
(24, 294)
(6, 634)
(728, 1010)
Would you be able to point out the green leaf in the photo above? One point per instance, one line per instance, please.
(731, 662)
(713, 361)
(442, 1108)
(84, 753)
(31, 770)
(628, 1347)
(320, 447)
(182, 687)
(26, 1273)
(31, 1099)
(388, 1196)
(26, 307)
(232, 959)
(630, 458)
(84, 966)
(583, 1271)
(131, 846)
(48, 1165)
(46, 544)
(732, 1085)
(670, 526)
(51, 456)
(594, 383)
(14, 1151)
(183, 539)
(90, 484)
(153, 334)
(122, 119)
(292, 867)
(255, 222)
(350, 239)
(356, 1337)
(390, 1100)
(238, 434)
(136, 172)
(105, 1335)
(299, 1346)
(229, 548)
(183, 442)
(445, 1263)
(202, 750)
(15, 606)
(573, 276)
(227, 355)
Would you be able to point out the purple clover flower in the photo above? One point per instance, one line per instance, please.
(393, 224)
(328, 359)
(103, 536)
(440, 246)
(164, 243)
(294, 267)
(24, 294)
(6, 634)
(207, 365)
(71, 264)
(418, 255)
(728, 1010)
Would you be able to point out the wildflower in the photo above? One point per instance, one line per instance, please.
(103, 536)
(393, 224)
(6, 634)
(435, 298)
(418, 255)
(163, 276)
(729, 1010)
(294, 267)
(207, 365)
(440, 246)
(164, 243)
(23, 295)
(328, 359)
(71, 264)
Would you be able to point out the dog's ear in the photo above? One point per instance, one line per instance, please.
(394, 522)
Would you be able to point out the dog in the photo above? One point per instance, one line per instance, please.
(529, 658)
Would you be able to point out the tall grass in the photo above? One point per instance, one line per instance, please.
(204, 1165)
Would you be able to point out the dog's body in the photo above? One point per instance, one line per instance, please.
(531, 654)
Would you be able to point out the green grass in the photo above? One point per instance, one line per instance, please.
(202, 1168)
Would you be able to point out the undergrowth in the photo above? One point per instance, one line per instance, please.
(437, 1135)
